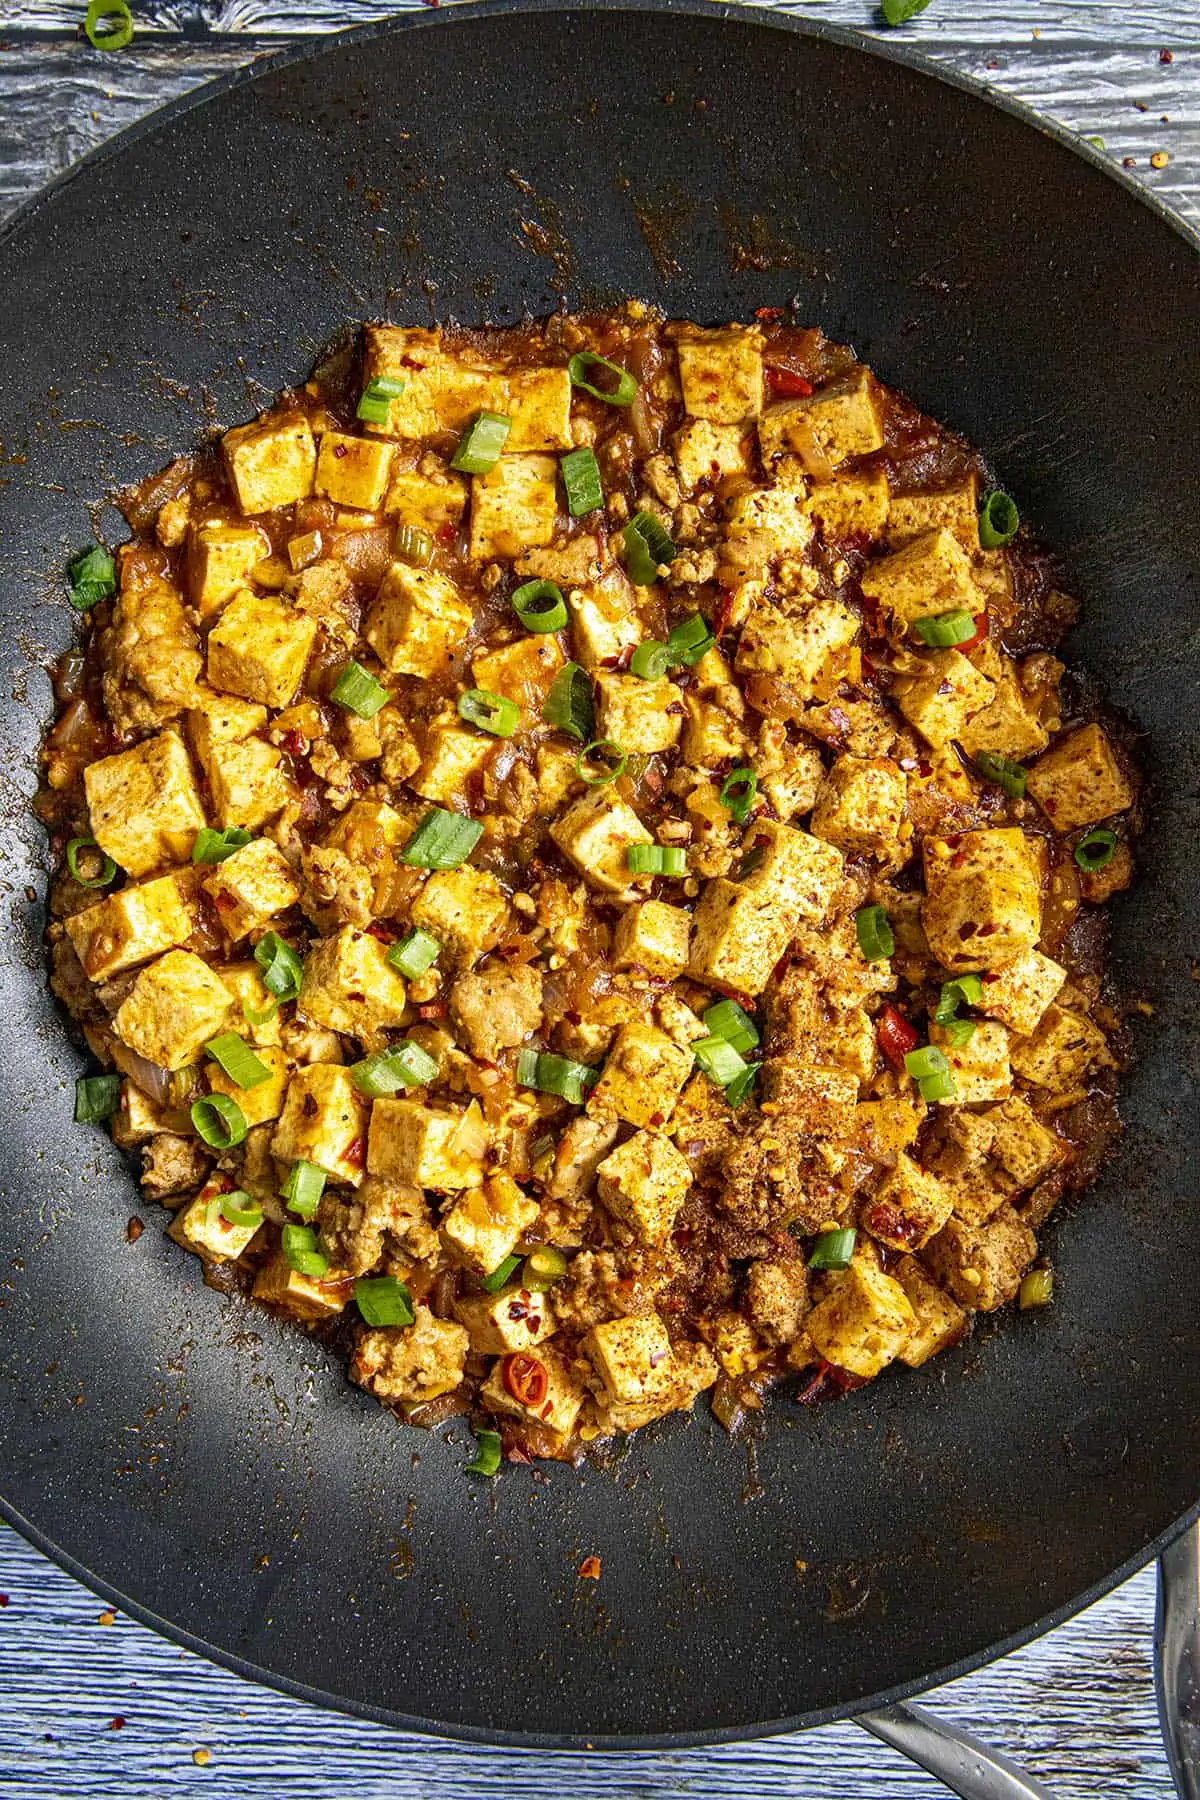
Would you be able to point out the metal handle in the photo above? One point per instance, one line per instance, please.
(967, 1766)
(1177, 1659)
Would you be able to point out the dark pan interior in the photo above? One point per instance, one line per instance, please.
(212, 1469)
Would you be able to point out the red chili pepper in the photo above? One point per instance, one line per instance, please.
(829, 1383)
(589, 1568)
(433, 1009)
(770, 315)
(526, 1379)
(356, 1152)
(982, 627)
(896, 1036)
(787, 383)
(295, 743)
(447, 533)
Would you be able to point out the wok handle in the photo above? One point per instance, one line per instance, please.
(1177, 1659)
(967, 1766)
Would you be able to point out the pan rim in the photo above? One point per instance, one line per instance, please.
(759, 17)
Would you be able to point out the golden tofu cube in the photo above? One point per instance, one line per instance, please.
(982, 1265)
(251, 1002)
(721, 372)
(262, 1103)
(938, 1321)
(943, 695)
(930, 575)
(485, 1223)
(302, 1296)
(220, 719)
(350, 986)
(763, 525)
(654, 937)
(852, 505)
(434, 502)
(594, 833)
(417, 622)
(706, 452)
(539, 405)
(415, 358)
(513, 507)
(792, 870)
(980, 1067)
(251, 887)
(1079, 781)
(644, 717)
(796, 643)
(414, 1364)
(735, 1343)
(272, 462)
(259, 649)
(466, 386)
(1010, 724)
(429, 1146)
(353, 471)
(1018, 992)
(860, 805)
(864, 1321)
(465, 909)
(522, 671)
(558, 778)
(738, 936)
(513, 1319)
(324, 1121)
(883, 1128)
(452, 755)
(220, 558)
(214, 1239)
(605, 621)
(711, 735)
(644, 1182)
(1060, 1052)
(557, 1411)
(1021, 1144)
(983, 897)
(643, 1076)
(953, 509)
(631, 1356)
(840, 420)
(173, 1008)
(851, 1044)
(249, 787)
(131, 926)
(144, 805)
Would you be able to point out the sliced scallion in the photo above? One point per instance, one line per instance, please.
(570, 704)
(726, 1019)
(282, 970)
(486, 1460)
(234, 1055)
(581, 481)
(833, 1249)
(719, 1060)
(938, 1086)
(1096, 850)
(237, 1208)
(414, 954)
(383, 1300)
(105, 875)
(690, 640)
(219, 1120)
(492, 713)
(301, 1252)
(899, 12)
(540, 606)
(358, 691)
(556, 1075)
(1003, 771)
(999, 520)
(928, 1060)
(96, 1097)
(413, 545)
(387, 1071)
(624, 387)
(959, 1032)
(443, 840)
(656, 859)
(943, 630)
(543, 1267)
(501, 1274)
(737, 793)
(212, 846)
(481, 443)
(92, 575)
(874, 932)
(738, 1089)
(650, 661)
(302, 1188)
(647, 548)
(964, 990)
(600, 772)
(375, 402)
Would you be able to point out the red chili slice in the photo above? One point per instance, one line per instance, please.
(787, 383)
(896, 1036)
(982, 627)
(526, 1379)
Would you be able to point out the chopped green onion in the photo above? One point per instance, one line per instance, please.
(737, 793)
(375, 402)
(487, 1454)
(217, 846)
(965, 990)
(928, 1060)
(543, 1267)
(219, 1120)
(359, 692)
(942, 630)
(481, 443)
(500, 1274)
(581, 479)
(413, 545)
(959, 1032)
(96, 1097)
(833, 1249)
(443, 840)
(540, 606)
(302, 1188)
(259, 1015)
(570, 704)
(719, 1060)
(236, 1208)
(414, 953)
(383, 1300)
(726, 1019)
(490, 712)
(282, 970)
(404, 1065)
(899, 12)
(1037, 1289)
(92, 575)
(647, 548)
(1097, 143)
(874, 932)
(999, 520)
(939, 1086)
(619, 395)
(651, 660)
(299, 1245)
(690, 640)
(108, 24)
(1003, 771)
(556, 1075)
(737, 1089)
(233, 1054)
(108, 868)
(608, 772)
(1096, 850)
(656, 859)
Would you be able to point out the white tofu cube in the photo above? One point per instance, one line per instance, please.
(485, 1223)
(522, 671)
(1024, 1147)
(943, 695)
(654, 937)
(539, 405)
(134, 924)
(350, 986)
(706, 452)
(272, 462)
(983, 897)
(930, 575)
(262, 1103)
(173, 1008)
(644, 1181)
(222, 718)
(247, 782)
(641, 1375)
(220, 558)
(860, 806)
(938, 1321)
(259, 649)
(465, 909)
(250, 998)
(144, 805)
(605, 620)
(864, 1321)
(851, 505)
(428, 1146)
(953, 509)
(797, 641)
(1079, 781)
(721, 372)
(1018, 992)
(353, 471)
(792, 870)
(324, 1121)
(513, 507)
(512, 1320)
(594, 833)
(212, 1238)
(1010, 724)
(642, 716)
(300, 1296)
(711, 735)
(434, 502)
(762, 526)
(417, 622)
(452, 755)
(251, 887)
(413, 357)
(738, 937)
(557, 1410)
(643, 1076)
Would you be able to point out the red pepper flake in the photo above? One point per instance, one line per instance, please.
(1166, 56)
(829, 1383)
(117, 1724)
(770, 315)
(788, 383)
(657, 1119)
(356, 1152)
(339, 450)
(446, 534)
(133, 1231)
(295, 743)
(433, 1009)
(589, 1568)
(896, 1036)
(3, 1599)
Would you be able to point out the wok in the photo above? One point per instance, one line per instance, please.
(211, 1471)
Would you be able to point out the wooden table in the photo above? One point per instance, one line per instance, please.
(95, 1705)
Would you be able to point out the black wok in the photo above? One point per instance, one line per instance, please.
(210, 1470)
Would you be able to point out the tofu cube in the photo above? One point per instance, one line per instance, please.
(350, 986)
(1079, 781)
(851, 506)
(860, 806)
(1010, 724)
(353, 471)
(819, 1099)
(247, 782)
(324, 1121)
(594, 833)
(721, 373)
(215, 1239)
(1024, 1147)
(980, 1067)
(173, 1008)
(735, 1343)
(557, 778)
(426, 1146)
(220, 558)
(1018, 992)
(796, 643)
(983, 897)
(272, 462)
(763, 525)
(245, 983)
(737, 937)
(259, 1104)
(884, 1128)
(938, 1321)
(644, 1182)
(864, 1321)
(560, 1408)
(144, 805)
(251, 887)
(485, 1223)
(711, 735)
(417, 622)
(642, 716)
(434, 502)
(300, 1296)
(452, 755)
(953, 509)
(840, 420)
(465, 909)
(222, 719)
(513, 1319)
(978, 1195)
(604, 620)
(513, 507)
(930, 575)
(943, 695)
(652, 936)
(851, 1044)
(408, 1366)
(792, 870)
(632, 1357)
(643, 1076)
(1060, 1052)
(910, 1206)
(259, 649)
(415, 358)
(539, 405)
(134, 924)
(982, 1265)
(522, 671)
(705, 452)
